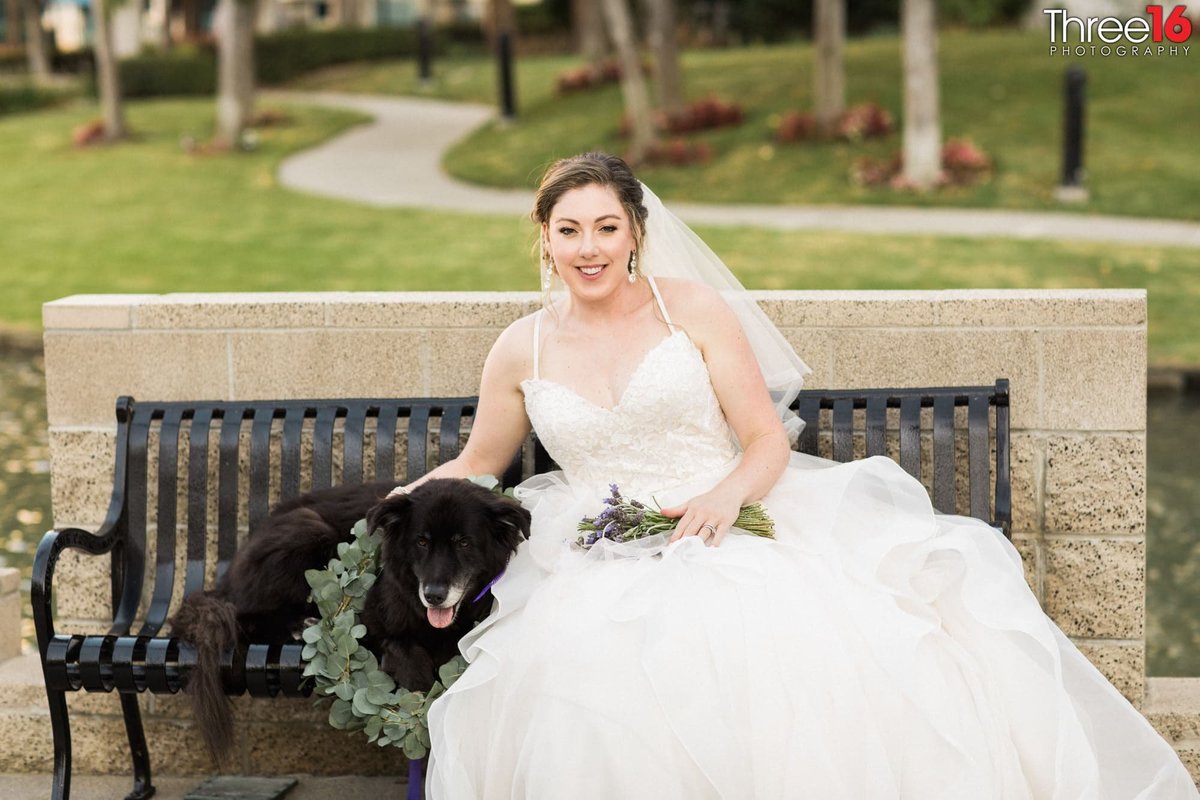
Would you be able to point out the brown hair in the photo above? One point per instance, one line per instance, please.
(587, 169)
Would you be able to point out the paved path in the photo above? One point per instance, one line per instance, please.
(395, 162)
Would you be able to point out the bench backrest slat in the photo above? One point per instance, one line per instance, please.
(385, 436)
(197, 507)
(260, 466)
(293, 430)
(418, 438)
(910, 435)
(229, 475)
(943, 452)
(978, 455)
(353, 431)
(876, 426)
(322, 447)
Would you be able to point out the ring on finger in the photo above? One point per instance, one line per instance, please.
(710, 527)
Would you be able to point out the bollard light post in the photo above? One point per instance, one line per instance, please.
(424, 53)
(508, 101)
(1072, 189)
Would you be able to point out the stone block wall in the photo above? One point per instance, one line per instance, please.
(1076, 360)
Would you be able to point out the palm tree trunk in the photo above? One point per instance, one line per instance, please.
(235, 70)
(661, 38)
(829, 74)
(35, 39)
(588, 22)
(922, 121)
(107, 76)
(633, 85)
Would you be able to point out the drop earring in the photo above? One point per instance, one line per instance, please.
(547, 268)
(633, 267)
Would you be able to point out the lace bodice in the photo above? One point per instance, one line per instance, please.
(666, 428)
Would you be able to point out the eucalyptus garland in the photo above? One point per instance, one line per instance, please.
(364, 696)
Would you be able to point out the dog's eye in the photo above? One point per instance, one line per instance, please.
(422, 541)
(463, 544)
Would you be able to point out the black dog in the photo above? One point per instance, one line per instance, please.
(443, 545)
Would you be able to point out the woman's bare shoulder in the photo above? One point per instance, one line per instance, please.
(514, 346)
(691, 303)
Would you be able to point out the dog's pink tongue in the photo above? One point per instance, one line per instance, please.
(440, 617)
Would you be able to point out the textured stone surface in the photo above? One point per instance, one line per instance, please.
(457, 357)
(1095, 587)
(1096, 379)
(1123, 663)
(1027, 470)
(329, 363)
(318, 749)
(1096, 484)
(890, 357)
(1030, 549)
(429, 309)
(10, 620)
(81, 590)
(86, 372)
(233, 310)
(81, 481)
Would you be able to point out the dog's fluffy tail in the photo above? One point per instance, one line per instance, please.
(209, 623)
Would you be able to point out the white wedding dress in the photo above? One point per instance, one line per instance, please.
(874, 649)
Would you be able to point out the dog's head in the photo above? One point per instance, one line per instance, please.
(453, 536)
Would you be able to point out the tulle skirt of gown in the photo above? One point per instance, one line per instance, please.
(872, 650)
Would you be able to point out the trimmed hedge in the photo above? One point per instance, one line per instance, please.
(278, 57)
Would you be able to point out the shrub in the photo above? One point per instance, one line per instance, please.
(678, 152)
(701, 115)
(963, 163)
(856, 123)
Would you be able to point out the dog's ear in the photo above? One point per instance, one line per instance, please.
(511, 522)
(390, 513)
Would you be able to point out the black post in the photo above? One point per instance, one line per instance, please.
(1072, 168)
(508, 102)
(424, 52)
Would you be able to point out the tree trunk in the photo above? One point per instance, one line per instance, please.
(588, 22)
(633, 85)
(235, 71)
(922, 120)
(829, 74)
(108, 79)
(661, 38)
(35, 40)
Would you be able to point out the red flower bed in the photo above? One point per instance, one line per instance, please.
(963, 163)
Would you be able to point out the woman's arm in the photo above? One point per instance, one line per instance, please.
(501, 424)
(746, 404)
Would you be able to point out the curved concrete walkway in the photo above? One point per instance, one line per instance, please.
(395, 162)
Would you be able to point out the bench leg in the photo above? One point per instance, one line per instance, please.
(60, 725)
(142, 788)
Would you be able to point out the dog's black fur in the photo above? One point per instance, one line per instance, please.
(442, 544)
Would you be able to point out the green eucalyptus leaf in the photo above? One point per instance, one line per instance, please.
(363, 706)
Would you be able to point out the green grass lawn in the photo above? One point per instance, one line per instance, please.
(144, 216)
(999, 88)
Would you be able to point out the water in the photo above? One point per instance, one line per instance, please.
(1173, 506)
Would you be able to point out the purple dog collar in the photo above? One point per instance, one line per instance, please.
(485, 589)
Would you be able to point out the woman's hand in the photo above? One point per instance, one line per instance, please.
(709, 516)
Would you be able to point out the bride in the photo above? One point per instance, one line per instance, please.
(872, 649)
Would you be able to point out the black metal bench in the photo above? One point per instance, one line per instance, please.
(238, 458)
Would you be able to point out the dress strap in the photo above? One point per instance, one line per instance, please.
(537, 340)
(658, 298)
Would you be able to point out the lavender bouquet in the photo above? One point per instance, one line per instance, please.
(625, 520)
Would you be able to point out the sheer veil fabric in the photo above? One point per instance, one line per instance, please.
(874, 650)
(673, 250)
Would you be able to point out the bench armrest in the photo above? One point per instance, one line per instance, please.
(44, 561)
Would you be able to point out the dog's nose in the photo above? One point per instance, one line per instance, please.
(435, 593)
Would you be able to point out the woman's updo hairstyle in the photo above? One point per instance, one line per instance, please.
(587, 169)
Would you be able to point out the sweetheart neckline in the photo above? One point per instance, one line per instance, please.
(632, 377)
